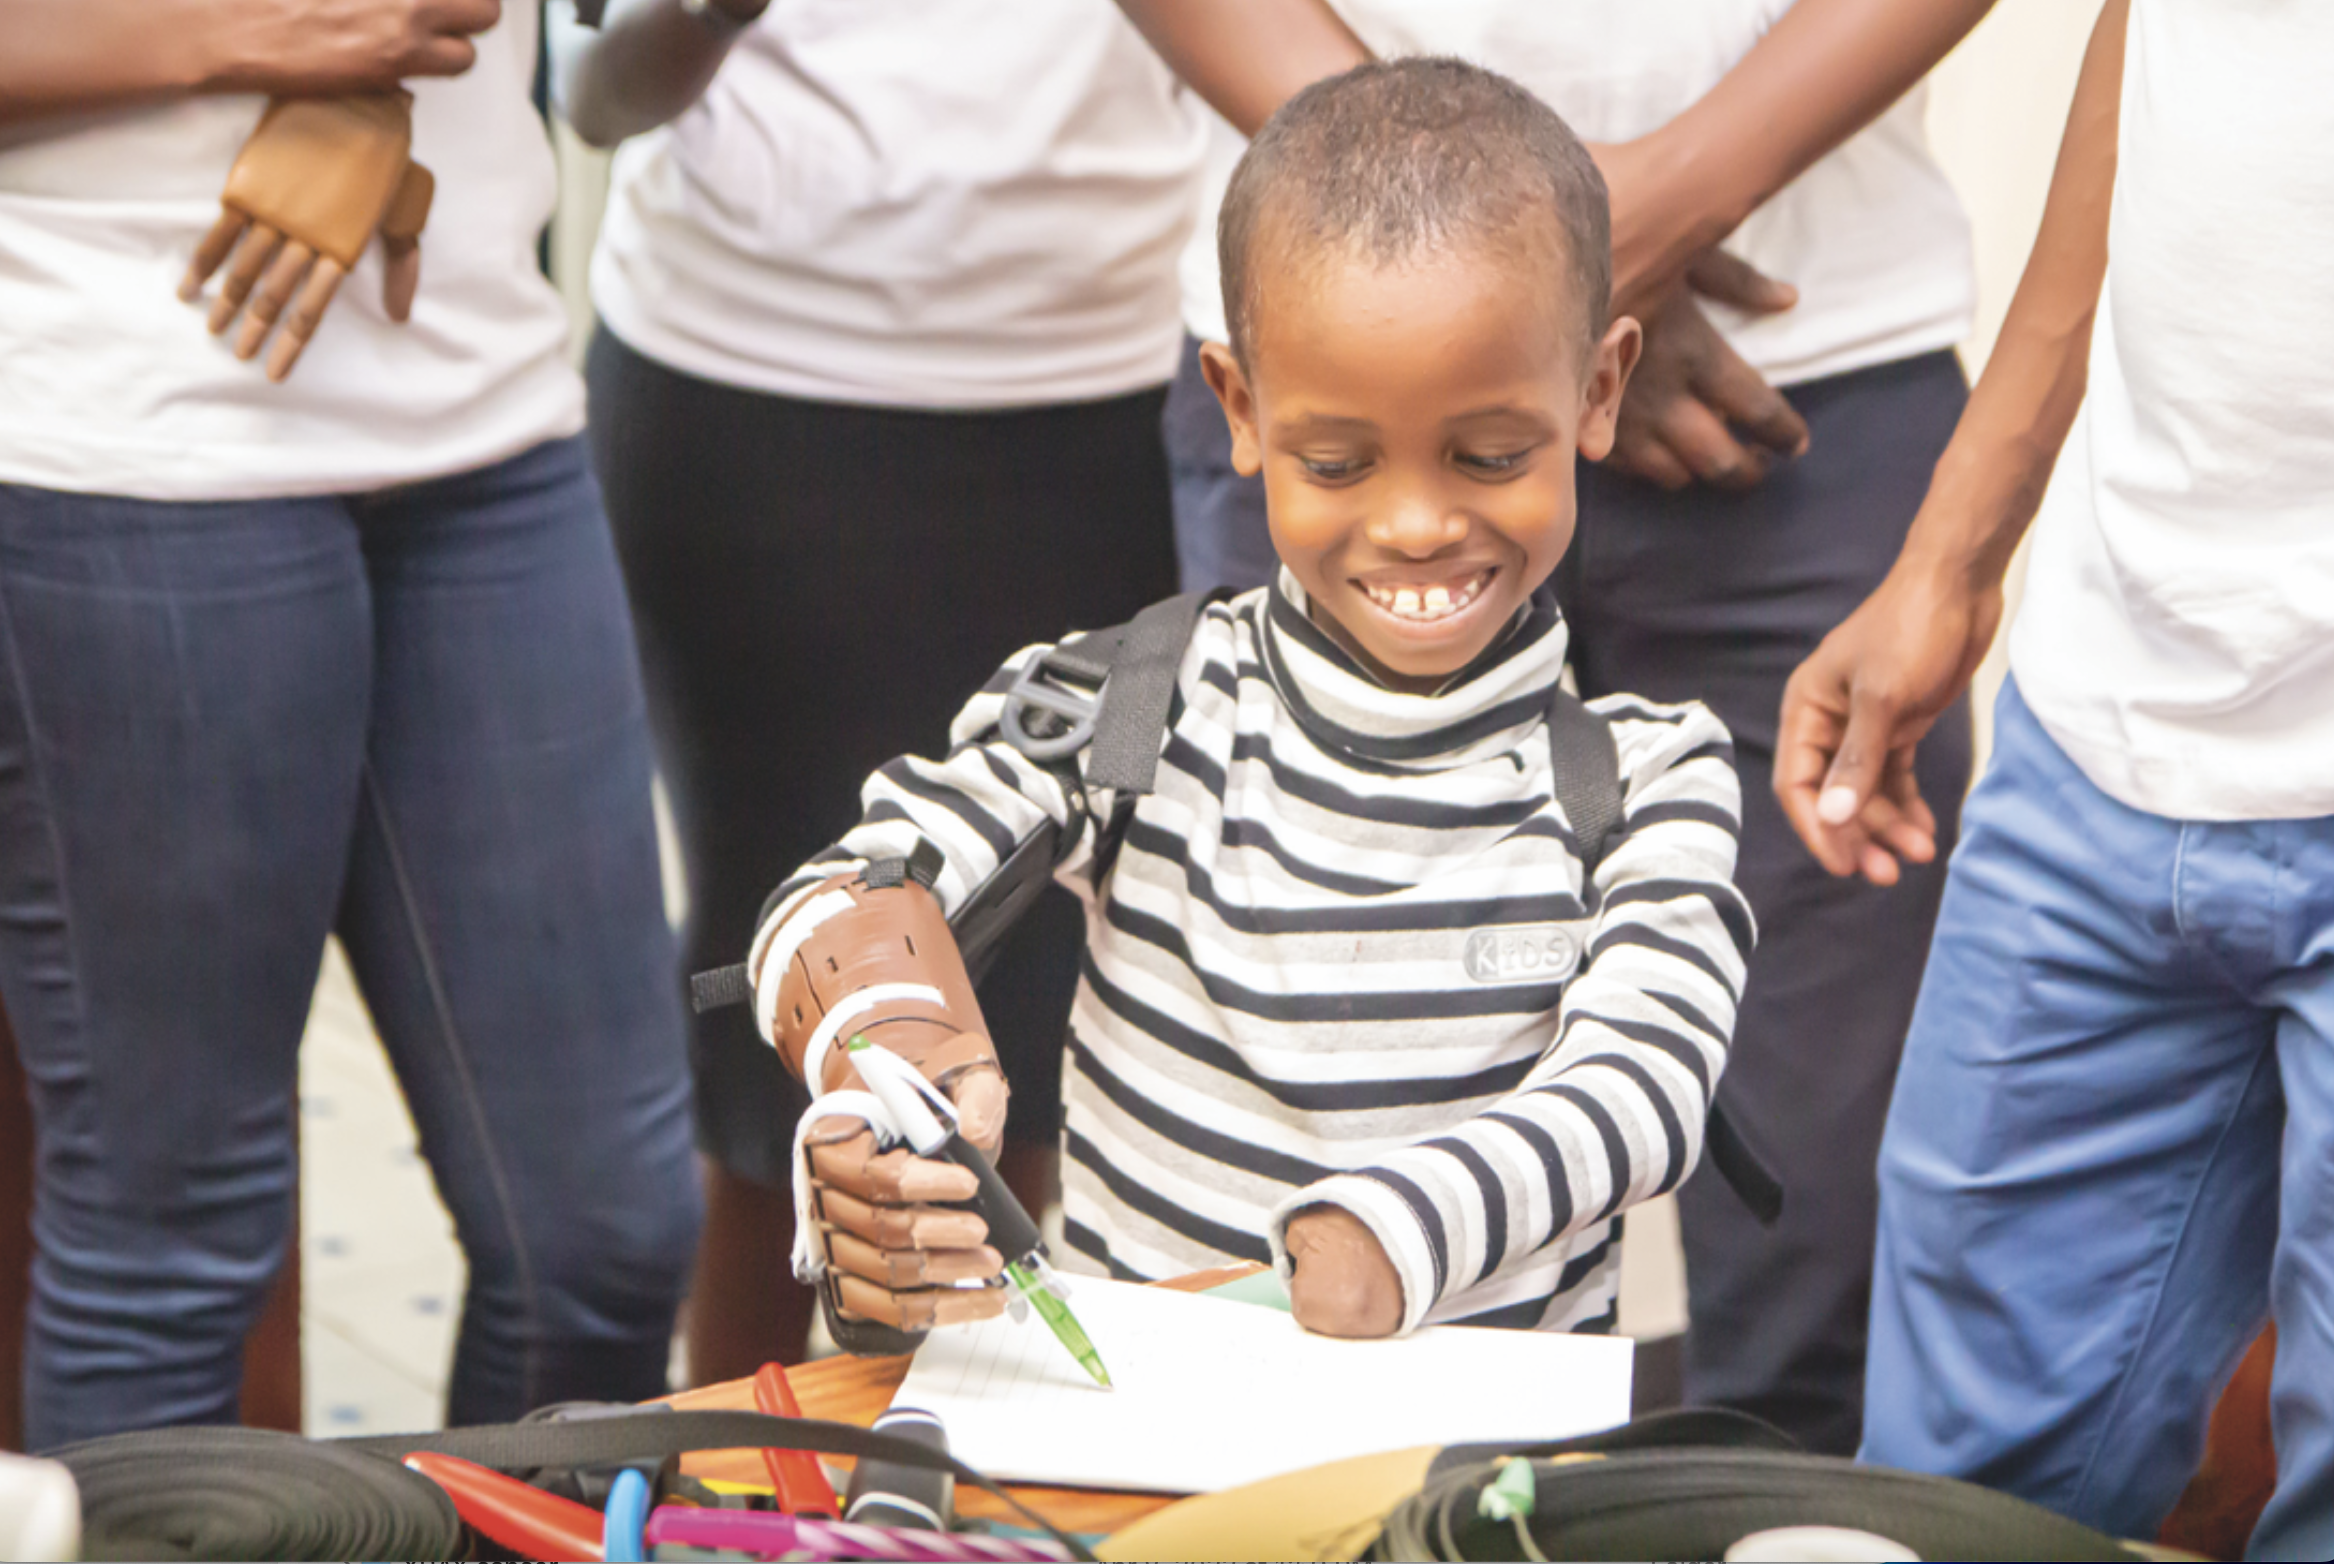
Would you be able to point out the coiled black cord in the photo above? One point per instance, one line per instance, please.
(245, 1493)
(1695, 1504)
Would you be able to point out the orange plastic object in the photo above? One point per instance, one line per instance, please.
(802, 1485)
(530, 1522)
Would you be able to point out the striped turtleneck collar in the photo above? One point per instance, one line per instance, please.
(1483, 708)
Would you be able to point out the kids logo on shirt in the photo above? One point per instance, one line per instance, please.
(1522, 953)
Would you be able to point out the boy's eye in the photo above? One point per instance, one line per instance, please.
(1332, 469)
(1493, 465)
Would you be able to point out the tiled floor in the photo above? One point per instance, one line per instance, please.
(381, 1278)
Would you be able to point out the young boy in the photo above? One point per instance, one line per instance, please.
(1284, 1047)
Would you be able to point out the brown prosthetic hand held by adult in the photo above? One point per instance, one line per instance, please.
(316, 183)
(872, 955)
(1340, 1281)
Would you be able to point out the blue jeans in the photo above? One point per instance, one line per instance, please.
(2111, 1154)
(414, 717)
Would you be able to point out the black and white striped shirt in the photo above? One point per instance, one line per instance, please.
(1330, 959)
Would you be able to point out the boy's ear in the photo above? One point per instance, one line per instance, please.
(1230, 384)
(1608, 377)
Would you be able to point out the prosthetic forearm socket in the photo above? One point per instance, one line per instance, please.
(877, 958)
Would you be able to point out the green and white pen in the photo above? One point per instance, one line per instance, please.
(927, 1122)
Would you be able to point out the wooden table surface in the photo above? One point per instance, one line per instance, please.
(857, 1390)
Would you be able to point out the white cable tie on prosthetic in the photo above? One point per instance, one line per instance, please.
(849, 1009)
(775, 948)
(810, 1255)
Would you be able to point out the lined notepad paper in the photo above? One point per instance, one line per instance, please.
(1212, 1394)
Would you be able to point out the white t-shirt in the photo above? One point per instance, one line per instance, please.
(110, 385)
(2177, 631)
(1872, 235)
(922, 203)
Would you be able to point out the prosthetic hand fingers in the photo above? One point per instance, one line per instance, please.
(900, 1227)
(324, 280)
(277, 284)
(981, 1096)
(401, 229)
(918, 1311)
(901, 1269)
(212, 253)
(896, 1177)
(252, 258)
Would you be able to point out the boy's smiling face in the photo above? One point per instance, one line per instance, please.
(1416, 425)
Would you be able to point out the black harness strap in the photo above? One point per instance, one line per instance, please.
(1587, 775)
(1138, 695)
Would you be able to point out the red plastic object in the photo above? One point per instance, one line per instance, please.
(802, 1485)
(530, 1522)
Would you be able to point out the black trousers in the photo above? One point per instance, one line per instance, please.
(820, 587)
(1716, 597)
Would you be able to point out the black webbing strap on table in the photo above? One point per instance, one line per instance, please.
(659, 1432)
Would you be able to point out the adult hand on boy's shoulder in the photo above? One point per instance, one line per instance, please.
(1341, 1283)
(1694, 411)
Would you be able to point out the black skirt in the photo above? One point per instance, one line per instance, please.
(819, 587)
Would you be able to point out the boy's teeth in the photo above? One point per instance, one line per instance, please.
(1435, 602)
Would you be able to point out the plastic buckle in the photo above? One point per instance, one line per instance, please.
(1033, 691)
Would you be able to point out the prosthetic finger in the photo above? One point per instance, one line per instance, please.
(899, 1269)
(252, 256)
(282, 279)
(307, 314)
(894, 1177)
(901, 1227)
(212, 253)
(919, 1311)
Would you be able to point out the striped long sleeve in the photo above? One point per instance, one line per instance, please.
(1612, 1113)
(1345, 951)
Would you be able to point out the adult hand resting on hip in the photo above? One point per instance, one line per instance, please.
(1694, 411)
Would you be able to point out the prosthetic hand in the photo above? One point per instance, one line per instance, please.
(316, 181)
(873, 954)
(1340, 1282)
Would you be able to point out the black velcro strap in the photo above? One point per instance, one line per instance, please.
(722, 986)
(614, 1441)
(1132, 724)
(1587, 774)
(1740, 1166)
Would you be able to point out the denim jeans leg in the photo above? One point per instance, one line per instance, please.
(2079, 1192)
(506, 920)
(182, 699)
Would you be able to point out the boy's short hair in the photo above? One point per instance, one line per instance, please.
(1397, 158)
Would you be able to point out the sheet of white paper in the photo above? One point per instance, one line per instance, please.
(1212, 1394)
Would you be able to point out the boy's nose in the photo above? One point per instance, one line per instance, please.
(1417, 524)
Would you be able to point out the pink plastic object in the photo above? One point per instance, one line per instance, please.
(770, 1535)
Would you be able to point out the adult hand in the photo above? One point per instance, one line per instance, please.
(896, 1252)
(1694, 410)
(1853, 712)
(1341, 1283)
(325, 47)
(318, 179)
